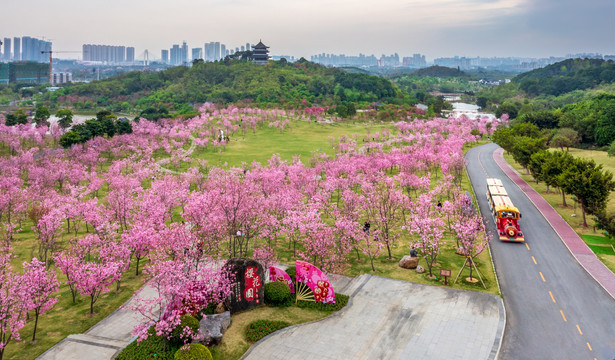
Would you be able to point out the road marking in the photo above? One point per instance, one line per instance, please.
(481, 163)
(564, 317)
(590, 347)
(535, 263)
(578, 328)
(552, 298)
(527, 246)
(543, 278)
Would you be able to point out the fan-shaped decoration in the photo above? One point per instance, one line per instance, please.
(304, 292)
(314, 279)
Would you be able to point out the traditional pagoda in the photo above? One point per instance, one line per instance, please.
(260, 54)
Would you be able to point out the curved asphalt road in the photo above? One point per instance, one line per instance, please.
(554, 308)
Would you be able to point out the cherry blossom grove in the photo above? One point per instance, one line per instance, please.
(143, 199)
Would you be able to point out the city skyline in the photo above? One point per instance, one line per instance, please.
(435, 28)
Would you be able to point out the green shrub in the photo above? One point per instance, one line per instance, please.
(258, 329)
(292, 272)
(277, 294)
(150, 348)
(193, 352)
(210, 309)
(340, 301)
(186, 320)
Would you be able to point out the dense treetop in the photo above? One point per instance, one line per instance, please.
(566, 76)
(227, 81)
(440, 71)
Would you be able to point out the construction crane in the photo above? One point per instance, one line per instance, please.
(50, 52)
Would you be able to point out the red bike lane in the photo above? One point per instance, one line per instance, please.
(576, 245)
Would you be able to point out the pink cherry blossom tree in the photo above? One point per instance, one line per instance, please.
(48, 228)
(384, 207)
(69, 265)
(428, 224)
(13, 303)
(179, 289)
(93, 279)
(40, 284)
(371, 246)
(140, 240)
(471, 235)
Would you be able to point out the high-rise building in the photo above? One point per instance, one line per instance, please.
(44, 51)
(217, 51)
(164, 56)
(130, 54)
(223, 51)
(197, 53)
(174, 55)
(27, 46)
(248, 47)
(210, 51)
(7, 49)
(105, 53)
(184, 54)
(243, 48)
(24, 72)
(16, 49)
(213, 51)
(62, 77)
(417, 60)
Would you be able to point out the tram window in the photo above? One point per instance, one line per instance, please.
(505, 214)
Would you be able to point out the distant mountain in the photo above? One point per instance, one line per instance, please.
(440, 71)
(566, 76)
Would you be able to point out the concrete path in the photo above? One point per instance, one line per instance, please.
(584, 255)
(393, 319)
(102, 341)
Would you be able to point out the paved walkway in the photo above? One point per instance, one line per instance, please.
(393, 319)
(102, 341)
(385, 319)
(576, 245)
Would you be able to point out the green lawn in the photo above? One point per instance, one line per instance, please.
(234, 344)
(302, 138)
(595, 239)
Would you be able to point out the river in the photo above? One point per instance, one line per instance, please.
(469, 110)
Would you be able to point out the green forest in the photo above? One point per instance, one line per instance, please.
(179, 88)
(575, 94)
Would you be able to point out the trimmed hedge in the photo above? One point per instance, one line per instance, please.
(186, 320)
(150, 348)
(277, 293)
(292, 272)
(340, 301)
(258, 329)
(193, 352)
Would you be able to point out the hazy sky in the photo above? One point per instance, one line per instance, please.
(435, 28)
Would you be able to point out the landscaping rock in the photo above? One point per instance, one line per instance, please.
(420, 269)
(247, 291)
(409, 262)
(213, 327)
(220, 308)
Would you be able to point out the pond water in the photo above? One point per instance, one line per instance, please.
(469, 110)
